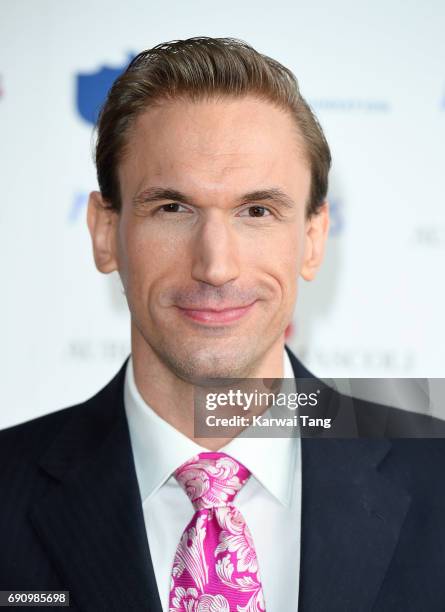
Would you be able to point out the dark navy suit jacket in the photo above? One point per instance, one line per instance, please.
(373, 512)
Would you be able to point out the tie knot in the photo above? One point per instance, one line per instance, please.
(211, 479)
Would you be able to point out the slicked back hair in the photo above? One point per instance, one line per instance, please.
(195, 69)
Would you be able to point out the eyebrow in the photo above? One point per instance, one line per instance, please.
(154, 194)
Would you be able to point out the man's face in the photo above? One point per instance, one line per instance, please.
(212, 234)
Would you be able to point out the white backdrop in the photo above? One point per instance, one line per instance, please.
(374, 73)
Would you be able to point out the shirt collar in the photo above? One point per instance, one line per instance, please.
(159, 449)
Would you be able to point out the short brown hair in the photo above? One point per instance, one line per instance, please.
(197, 68)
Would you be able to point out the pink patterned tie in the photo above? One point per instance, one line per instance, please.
(215, 567)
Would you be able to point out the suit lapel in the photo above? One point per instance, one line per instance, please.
(351, 520)
(91, 521)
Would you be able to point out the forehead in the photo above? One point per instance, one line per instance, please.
(216, 144)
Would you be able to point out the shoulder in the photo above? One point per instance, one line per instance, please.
(396, 423)
(24, 439)
(28, 440)
(352, 416)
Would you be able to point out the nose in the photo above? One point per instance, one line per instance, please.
(215, 253)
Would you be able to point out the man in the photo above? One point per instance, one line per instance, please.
(213, 175)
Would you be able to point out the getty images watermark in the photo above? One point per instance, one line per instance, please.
(309, 407)
(258, 408)
(254, 400)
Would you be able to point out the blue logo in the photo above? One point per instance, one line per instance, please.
(336, 214)
(92, 89)
(78, 205)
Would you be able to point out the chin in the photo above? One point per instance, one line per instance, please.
(196, 366)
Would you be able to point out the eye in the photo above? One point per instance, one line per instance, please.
(255, 211)
(173, 207)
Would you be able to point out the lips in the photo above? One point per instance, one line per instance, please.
(215, 316)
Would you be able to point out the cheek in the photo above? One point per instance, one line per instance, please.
(148, 260)
(279, 256)
(141, 254)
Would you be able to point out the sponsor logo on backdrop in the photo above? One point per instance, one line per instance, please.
(91, 91)
(336, 215)
(78, 205)
(92, 88)
(357, 105)
(360, 359)
(86, 350)
(429, 236)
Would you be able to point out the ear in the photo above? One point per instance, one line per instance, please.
(316, 233)
(102, 223)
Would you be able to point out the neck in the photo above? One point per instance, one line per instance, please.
(172, 398)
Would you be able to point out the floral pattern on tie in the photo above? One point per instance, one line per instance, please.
(215, 568)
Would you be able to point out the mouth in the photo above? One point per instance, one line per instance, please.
(216, 316)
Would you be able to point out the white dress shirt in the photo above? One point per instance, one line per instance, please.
(270, 501)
